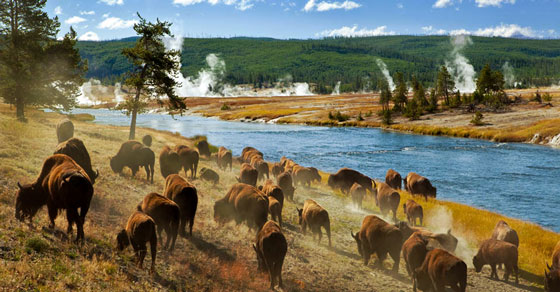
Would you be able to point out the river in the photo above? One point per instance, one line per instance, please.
(514, 179)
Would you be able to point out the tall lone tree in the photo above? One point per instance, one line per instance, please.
(400, 92)
(444, 84)
(153, 72)
(36, 68)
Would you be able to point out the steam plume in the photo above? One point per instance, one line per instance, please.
(383, 67)
(509, 75)
(462, 71)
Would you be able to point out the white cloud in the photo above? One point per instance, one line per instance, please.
(58, 10)
(353, 31)
(116, 23)
(239, 4)
(89, 36)
(400, 6)
(442, 3)
(496, 3)
(87, 12)
(326, 6)
(113, 2)
(106, 15)
(503, 30)
(430, 30)
(74, 20)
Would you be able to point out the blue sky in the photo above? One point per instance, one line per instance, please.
(112, 19)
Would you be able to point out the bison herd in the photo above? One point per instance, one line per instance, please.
(66, 183)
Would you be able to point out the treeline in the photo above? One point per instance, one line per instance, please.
(352, 61)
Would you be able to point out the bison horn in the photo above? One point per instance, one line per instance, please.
(254, 247)
(548, 266)
(97, 173)
(449, 231)
(351, 233)
(19, 185)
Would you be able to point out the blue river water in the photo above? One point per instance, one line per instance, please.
(514, 179)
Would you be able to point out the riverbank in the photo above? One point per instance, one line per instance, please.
(218, 257)
(527, 121)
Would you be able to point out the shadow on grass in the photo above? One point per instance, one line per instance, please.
(346, 254)
(211, 249)
(524, 275)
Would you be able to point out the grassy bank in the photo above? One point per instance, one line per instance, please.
(217, 258)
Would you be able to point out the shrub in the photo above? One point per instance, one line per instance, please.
(547, 97)
(537, 97)
(338, 116)
(36, 244)
(360, 118)
(368, 114)
(385, 116)
(225, 107)
(477, 119)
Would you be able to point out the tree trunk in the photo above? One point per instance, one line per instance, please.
(20, 106)
(134, 114)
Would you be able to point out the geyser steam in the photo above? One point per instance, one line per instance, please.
(459, 66)
(383, 67)
(509, 75)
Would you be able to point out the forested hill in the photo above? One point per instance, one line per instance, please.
(349, 60)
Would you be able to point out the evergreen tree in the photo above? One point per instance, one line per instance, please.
(433, 102)
(400, 92)
(154, 68)
(36, 69)
(419, 95)
(444, 84)
(384, 99)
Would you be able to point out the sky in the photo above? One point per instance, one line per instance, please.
(303, 19)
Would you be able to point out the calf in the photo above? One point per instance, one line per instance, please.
(358, 193)
(209, 175)
(166, 215)
(413, 211)
(140, 229)
(184, 194)
(314, 216)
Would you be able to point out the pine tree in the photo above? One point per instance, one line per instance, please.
(419, 95)
(36, 69)
(444, 84)
(400, 92)
(384, 99)
(432, 107)
(154, 67)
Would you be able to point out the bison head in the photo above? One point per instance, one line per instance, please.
(116, 165)
(122, 240)
(332, 181)
(478, 264)
(29, 199)
(358, 242)
(421, 279)
(551, 279)
(405, 229)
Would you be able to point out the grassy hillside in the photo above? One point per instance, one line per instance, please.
(349, 60)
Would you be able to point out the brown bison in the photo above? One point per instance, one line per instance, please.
(315, 176)
(134, 155)
(502, 231)
(169, 162)
(275, 209)
(209, 175)
(270, 189)
(277, 169)
(261, 166)
(62, 184)
(413, 211)
(76, 149)
(387, 199)
(419, 185)
(64, 130)
(147, 140)
(358, 193)
(552, 274)
(243, 202)
(393, 179)
(248, 153)
(224, 158)
(188, 158)
(314, 216)
(440, 269)
(140, 229)
(248, 175)
(166, 215)
(435, 240)
(303, 175)
(414, 251)
(287, 163)
(494, 252)
(271, 248)
(286, 184)
(379, 237)
(344, 178)
(203, 148)
(184, 194)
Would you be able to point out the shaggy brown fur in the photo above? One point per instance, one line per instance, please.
(413, 211)
(315, 176)
(188, 158)
(224, 158)
(271, 248)
(261, 166)
(494, 252)
(414, 251)
(134, 155)
(358, 193)
(277, 169)
(387, 200)
(552, 274)
(502, 231)
(303, 175)
(169, 161)
(381, 238)
(64, 130)
(248, 175)
(248, 153)
(419, 185)
(203, 148)
(440, 269)
(393, 179)
(140, 229)
(166, 215)
(344, 178)
(243, 202)
(435, 240)
(209, 175)
(147, 140)
(275, 209)
(184, 194)
(286, 184)
(76, 149)
(270, 189)
(314, 216)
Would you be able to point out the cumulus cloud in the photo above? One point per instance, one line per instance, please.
(239, 4)
(503, 30)
(58, 10)
(116, 23)
(353, 31)
(89, 36)
(113, 2)
(326, 6)
(432, 31)
(87, 12)
(496, 3)
(74, 20)
(442, 3)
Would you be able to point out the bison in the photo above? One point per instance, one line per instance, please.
(140, 229)
(277, 169)
(393, 179)
(248, 153)
(502, 231)
(209, 175)
(188, 158)
(286, 184)
(64, 130)
(203, 148)
(134, 155)
(419, 185)
(166, 215)
(314, 216)
(271, 248)
(494, 252)
(248, 175)
(261, 166)
(315, 176)
(413, 211)
(440, 269)
(358, 193)
(381, 238)
(303, 175)
(62, 184)
(147, 140)
(169, 162)
(184, 194)
(224, 158)
(270, 189)
(76, 149)
(414, 251)
(552, 276)
(435, 240)
(344, 178)
(243, 202)
(387, 199)
(275, 209)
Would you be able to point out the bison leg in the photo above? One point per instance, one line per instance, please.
(516, 270)
(71, 219)
(278, 271)
(494, 273)
(381, 256)
(320, 233)
(159, 230)
(366, 254)
(395, 255)
(507, 272)
(141, 255)
(183, 226)
(328, 231)
(53, 212)
(174, 231)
